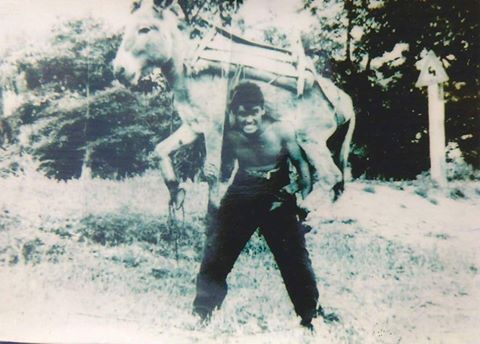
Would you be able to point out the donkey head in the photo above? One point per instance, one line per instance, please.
(152, 38)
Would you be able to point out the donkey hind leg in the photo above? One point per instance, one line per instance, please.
(181, 137)
(320, 157)
(339, 145)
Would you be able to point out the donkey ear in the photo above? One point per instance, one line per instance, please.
(231, 119)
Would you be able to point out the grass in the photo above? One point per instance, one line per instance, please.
(392, 271)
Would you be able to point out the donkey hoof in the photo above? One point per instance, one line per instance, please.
(338, 190)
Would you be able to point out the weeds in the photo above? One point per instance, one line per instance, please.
(369, 189)
(106, 243)
(32, 250)
(55, 252)
(456, 193)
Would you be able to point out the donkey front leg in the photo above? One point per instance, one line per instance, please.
(181, 137)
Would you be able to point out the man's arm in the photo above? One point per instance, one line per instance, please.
(228, 156)
(297, 156)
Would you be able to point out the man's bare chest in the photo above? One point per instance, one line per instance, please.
(263, 150)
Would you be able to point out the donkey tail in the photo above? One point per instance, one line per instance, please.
(345, 150)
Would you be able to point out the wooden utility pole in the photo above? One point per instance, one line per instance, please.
(2, 111)
(433, 75)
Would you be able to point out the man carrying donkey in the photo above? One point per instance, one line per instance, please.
(257, 199)
(201, 83)
(201, 74)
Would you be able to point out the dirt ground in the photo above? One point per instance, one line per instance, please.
(93, 261)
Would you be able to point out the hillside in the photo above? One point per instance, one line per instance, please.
(94, 261)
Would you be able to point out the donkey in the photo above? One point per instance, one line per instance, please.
(156, 37)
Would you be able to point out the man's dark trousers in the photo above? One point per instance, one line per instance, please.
(246, 207)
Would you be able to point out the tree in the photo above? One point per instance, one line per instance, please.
(392, 113)
(368, 47)
(194, 10)
(82, 118)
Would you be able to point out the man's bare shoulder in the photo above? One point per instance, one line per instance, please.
(234, 136)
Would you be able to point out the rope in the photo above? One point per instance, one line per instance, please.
(175, 227)
(173, 223)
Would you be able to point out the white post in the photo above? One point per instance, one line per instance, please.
(436, 132)
(2, 108)
(433, 75)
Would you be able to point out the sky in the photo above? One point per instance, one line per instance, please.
(34, 15)
(34, 18)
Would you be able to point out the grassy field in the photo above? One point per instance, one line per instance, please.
(95, 261)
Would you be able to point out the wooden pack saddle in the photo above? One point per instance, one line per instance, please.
(221, 50)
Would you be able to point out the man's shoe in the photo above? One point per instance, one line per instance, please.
(307, 323)
(203, 315)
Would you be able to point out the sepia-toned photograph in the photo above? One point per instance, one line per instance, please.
(240, 171)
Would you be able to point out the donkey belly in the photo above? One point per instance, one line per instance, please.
(208, 96)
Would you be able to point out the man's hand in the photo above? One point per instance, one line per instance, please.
(302, 214)
(210, 172)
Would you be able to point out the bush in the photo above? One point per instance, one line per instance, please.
(79, 119)
(456, 167)
(117, 229)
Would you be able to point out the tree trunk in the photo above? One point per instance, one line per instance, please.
(349, 8)
(86, 168)
(2, 110)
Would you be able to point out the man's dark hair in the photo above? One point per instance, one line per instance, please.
(247, 94)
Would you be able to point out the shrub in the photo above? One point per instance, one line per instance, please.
(456, 167)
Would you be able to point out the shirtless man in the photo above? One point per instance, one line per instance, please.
(256, 199)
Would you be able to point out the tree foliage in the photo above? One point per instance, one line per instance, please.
(81, 117)
(195, 10)
(369, 47)
(392, 131)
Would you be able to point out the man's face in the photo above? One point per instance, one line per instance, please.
(249, 119)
